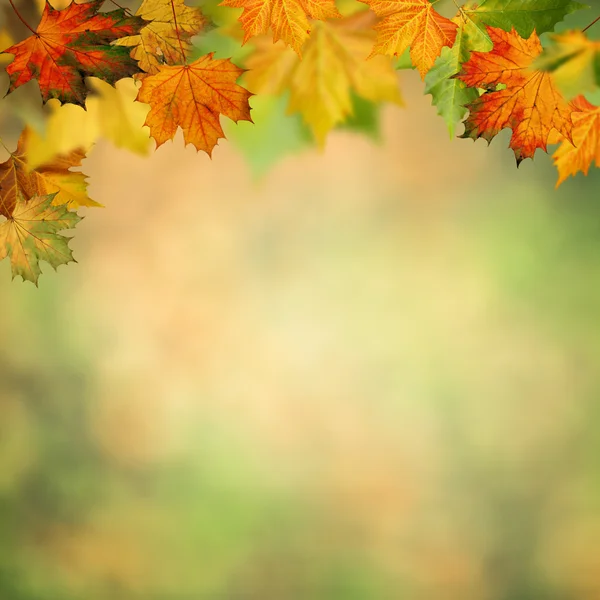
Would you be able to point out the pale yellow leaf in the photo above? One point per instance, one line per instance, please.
(333, 66)
(112, 113)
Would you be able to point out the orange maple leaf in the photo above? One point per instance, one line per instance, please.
(530, 104)
(570, 158)
(193, 97)
(288, 19)
(19, 181)
(414, 24)
(71, 44)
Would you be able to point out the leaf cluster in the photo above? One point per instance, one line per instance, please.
(143, 71)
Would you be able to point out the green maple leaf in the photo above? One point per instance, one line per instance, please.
(526, 16)
(450, 95)
(31, 234)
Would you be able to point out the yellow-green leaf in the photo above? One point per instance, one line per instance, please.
(31, 234)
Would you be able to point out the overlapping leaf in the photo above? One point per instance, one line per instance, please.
(288, 19)
(450, 95)
(415, 24)
(529, 104)
(72, 44)
(334, 65)
(193, 97)
(19, 181)
(166, 37)
(572, 158)
(31, 233)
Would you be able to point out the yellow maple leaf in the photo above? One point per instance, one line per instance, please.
(411, 24)
(111, 113)
(334, 64)
(574, 61)
(571, 158)
(288, 19)
(166, 38)
(19, 180)
(193, 97)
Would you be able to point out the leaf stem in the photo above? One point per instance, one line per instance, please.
(177, 30)
(22, 19)
(121, 7)
(592, 23)
(5, 146)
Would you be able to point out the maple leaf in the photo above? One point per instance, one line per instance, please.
(530, 104)
(570, 158)
(72, 44)
(18, 179)
(193, 97)
(334, 64)
(288, 19)
(450, 95)
(415, 24)
(166, 37)
(574, 61)
(111, 113)
(31, 233)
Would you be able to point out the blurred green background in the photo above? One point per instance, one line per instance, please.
(370, 374)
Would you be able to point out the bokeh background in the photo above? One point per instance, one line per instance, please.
(365, 373)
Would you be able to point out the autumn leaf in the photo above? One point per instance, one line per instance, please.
(288, 19)
(415, 24)
(574, 61)
(449, 94)
(334, 64)
(193, 97)
(31, 234)
(18, 179)
(529, 104)
(166, 37)
(72, 44)
(570, 158)
(111, 113)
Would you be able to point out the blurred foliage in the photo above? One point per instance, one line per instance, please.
(316, 395)
(353, 382)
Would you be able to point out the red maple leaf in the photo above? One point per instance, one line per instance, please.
(529, 102)
(71, 44)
